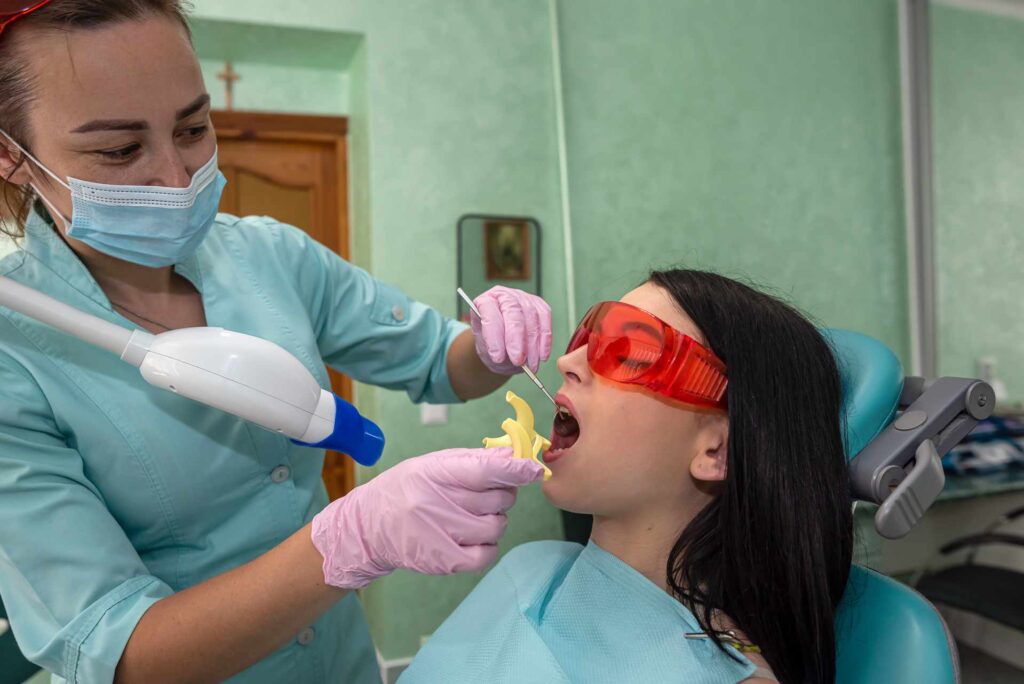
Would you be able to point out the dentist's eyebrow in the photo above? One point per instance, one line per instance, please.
(191, 109)
(134, 125)
(112, 125)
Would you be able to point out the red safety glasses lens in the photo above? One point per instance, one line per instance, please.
(12, 10)
(629, 345)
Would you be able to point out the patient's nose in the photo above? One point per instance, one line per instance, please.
(573, 366)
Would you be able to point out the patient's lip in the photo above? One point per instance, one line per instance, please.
(553, 455)
(563, 400)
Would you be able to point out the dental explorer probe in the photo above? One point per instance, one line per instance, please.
(526, 369)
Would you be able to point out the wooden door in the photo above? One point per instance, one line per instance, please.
(292, 168)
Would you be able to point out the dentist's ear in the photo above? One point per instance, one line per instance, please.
(710, 462)
(14, 167)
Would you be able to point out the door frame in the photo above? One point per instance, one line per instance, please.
(331, 130)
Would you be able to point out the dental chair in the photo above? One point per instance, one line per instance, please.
(897, 430)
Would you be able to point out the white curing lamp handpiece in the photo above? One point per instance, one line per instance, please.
(243, 375)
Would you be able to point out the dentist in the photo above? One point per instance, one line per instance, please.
(148, 538)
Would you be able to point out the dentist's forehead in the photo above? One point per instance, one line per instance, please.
(141, 70)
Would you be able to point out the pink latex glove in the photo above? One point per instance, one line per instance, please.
(515, 330)
(436, 514)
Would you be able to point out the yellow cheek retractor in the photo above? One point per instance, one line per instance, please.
(521, 435)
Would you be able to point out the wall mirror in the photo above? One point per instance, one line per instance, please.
(497, 250)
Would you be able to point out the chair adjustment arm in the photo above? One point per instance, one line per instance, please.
(980, 540)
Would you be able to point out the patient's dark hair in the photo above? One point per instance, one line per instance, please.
(772, 551)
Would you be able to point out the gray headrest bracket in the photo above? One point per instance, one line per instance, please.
(901, 469)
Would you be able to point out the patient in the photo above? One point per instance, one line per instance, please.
(722, 526)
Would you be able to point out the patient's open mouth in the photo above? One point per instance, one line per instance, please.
(565, 432)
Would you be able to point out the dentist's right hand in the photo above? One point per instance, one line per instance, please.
(435, 514)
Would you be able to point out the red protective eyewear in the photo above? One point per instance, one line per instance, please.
(629, 345)
(12, 10)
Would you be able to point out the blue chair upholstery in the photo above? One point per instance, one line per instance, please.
(885, 631)
(872, 380)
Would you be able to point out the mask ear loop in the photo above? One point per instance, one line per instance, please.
(51, 174)
(56, 212)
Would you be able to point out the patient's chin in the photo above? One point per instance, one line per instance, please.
(558, 492)
(563, 494)
(551, 490)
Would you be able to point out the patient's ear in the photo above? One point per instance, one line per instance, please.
(710, 461)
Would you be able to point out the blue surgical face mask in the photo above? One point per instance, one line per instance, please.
(148, 225)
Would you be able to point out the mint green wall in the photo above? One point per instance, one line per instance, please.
(978, 87)
(282, 69)
(757, 138)
(452, 113)
(270, 88)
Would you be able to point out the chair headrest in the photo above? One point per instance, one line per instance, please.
(872, 379)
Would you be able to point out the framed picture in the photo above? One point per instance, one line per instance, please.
(507, 249)
(495, 249)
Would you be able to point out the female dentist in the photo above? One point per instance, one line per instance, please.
(147, 538)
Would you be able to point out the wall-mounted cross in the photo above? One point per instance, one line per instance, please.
(229, 76)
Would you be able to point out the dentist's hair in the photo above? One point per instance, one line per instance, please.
(16, 81)
(772, 551)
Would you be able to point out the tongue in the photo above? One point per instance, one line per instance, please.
(565, 433)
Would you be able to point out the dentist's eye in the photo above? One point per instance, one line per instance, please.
(121, 153)
(195, 132)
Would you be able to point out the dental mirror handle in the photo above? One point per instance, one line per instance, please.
(529, 373)
(540, 385)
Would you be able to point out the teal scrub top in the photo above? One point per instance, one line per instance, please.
(115, 494)
(560, 613)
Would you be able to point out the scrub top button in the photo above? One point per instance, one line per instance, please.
(280, 474)
(306, 636)
(398, 313)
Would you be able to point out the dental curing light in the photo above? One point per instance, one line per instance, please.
(248, 377)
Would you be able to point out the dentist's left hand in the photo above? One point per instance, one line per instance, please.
(436, 514)
(515, 330)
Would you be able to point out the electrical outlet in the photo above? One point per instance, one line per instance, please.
(434, 414)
